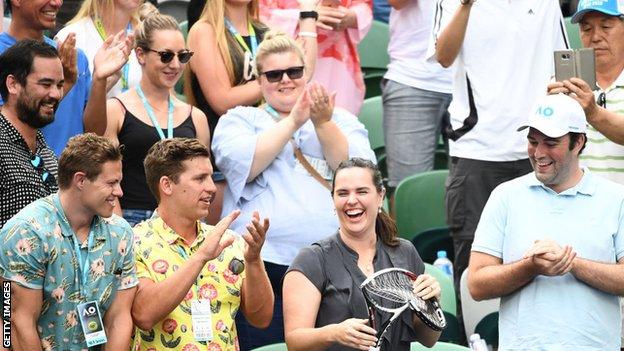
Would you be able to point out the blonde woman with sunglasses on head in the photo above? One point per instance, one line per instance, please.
(95, 21)
(150, 112)
(277, 159)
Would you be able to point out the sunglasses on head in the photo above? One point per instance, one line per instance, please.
(167, 56)
(276, 75)
(46, 176)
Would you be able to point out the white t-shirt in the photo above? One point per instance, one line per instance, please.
(89, 40)
(507, 55)
(410, 31)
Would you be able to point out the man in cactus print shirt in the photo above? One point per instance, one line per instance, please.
(193, 277)
(41, 245)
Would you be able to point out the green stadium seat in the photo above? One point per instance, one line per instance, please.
(573, 34)
(419, 203)
(371, 115)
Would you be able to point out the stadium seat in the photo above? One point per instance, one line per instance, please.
(373, 49)
(371, 115)
(439, 346)
(448, 303)
(419, 203)
(175, 8)
(487, 328)
(374, 59)
(573, 34)
(430, 241)
(272, 347)
(474, 312)
(179, 87)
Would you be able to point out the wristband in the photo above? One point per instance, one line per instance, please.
(308, 34)
(308, 14)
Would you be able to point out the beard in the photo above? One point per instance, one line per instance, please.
(29, 111)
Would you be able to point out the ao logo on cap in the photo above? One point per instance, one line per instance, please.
(545, 111)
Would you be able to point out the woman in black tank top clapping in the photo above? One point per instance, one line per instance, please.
(142, 116)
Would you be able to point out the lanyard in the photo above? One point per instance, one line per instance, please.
(239, 38)
(125, 71)
(84, 267)
(271, 111)
(150, 114)
(185, 256)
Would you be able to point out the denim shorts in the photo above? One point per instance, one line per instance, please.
(134, 217)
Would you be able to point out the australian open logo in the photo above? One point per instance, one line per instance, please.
(545, 111)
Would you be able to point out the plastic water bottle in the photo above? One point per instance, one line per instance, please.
(444, 264)
(476, 343)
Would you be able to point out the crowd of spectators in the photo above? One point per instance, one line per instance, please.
(132, 217)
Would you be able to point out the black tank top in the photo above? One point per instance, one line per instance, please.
(200, 100)
(137, 137)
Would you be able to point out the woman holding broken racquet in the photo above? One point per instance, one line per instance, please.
(324, 307)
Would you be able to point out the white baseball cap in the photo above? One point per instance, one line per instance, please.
(556, 116)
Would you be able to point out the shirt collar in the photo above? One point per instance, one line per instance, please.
(171, 237)
(95, 224)
(585, 186)
(9, 130)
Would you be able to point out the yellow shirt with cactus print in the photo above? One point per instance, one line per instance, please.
(157, 250)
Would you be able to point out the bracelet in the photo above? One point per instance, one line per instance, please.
(308, 34)
(308, 14)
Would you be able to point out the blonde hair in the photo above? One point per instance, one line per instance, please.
(214, 14)
(97, 9)
(276, 42)
(145, 30)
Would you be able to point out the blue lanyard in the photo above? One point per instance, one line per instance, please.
(84, 267)
(185, 256)
(150, 114)
(239, 38)
(268, 108)
(125, 71)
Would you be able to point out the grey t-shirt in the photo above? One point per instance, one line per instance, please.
(332, 267)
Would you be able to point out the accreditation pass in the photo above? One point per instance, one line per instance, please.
(91, 322)
(202, 320)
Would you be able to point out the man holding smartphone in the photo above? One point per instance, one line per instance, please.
(601, 25)
(502, 53)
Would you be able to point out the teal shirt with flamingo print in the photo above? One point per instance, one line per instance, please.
(37, 252)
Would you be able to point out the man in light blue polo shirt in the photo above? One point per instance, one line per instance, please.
(551, 243)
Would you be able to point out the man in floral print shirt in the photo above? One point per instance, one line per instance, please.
(41, 244)
(183, 263)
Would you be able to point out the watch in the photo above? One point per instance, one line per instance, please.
(308, 14)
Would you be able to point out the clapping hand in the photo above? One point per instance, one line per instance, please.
(254, 238)
(300, 113)
(550, 258)
(322, 104)
(219, 239)
(69, 59)
(112, 55)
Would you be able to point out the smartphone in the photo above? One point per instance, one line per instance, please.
(580, 63)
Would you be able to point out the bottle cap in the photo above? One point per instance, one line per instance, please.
(441, 254)
(475, 337)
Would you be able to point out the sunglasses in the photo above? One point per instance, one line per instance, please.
(276, 75)
(167, 56)
(46, 176)
(602, 100)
